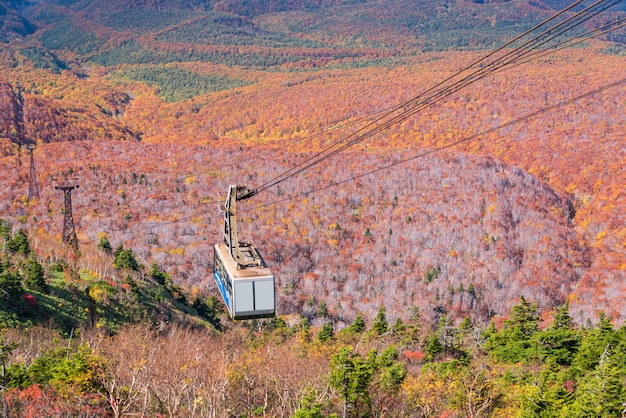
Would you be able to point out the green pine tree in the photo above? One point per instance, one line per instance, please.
(34, 278)
(593, 344)
(560, 341)
(600, 394)
(11, 288)
(516, 340)
(327, 333)
(350, 376)
(398, 326)
(160, 276)
(550, 394)
(434, 346)
(357, 326)
(380, 325)
(126, 259)
(322, 310)
(310, 407)
(19, 243)
(105, 245)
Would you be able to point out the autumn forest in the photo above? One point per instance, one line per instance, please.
(466, 260)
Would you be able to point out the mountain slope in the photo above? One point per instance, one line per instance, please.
(12, 24)
(217, 98)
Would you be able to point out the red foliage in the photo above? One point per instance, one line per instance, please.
(30, 299)
(569, 386)
(414, 355)
(35, 401)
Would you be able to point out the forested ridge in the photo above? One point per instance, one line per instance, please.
(483, 279)
(135, 344)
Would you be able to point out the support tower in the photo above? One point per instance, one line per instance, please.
(69, 232)
(33, 184)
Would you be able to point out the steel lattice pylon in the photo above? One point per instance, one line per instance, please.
(33, 184)
(69, 231)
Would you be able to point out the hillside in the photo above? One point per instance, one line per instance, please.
(441, 267)
(225, 94)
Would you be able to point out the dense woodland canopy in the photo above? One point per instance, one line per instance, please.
(485, 279)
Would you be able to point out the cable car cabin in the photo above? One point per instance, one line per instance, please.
(248, 292)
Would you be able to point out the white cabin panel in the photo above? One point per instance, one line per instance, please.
(264, 294)
(243, 297)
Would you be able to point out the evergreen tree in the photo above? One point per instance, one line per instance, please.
(561, 318)
(118, 250)
(105, 245)
(309, 407)
(398, 326)
(125, 259)
(19, 243)
(416, 315)
(351, 376)
(380, 325)
(5, 229)
(465, 325)
(389, 372)
(560, 341)
(550, 394)
(327, 333)
(601, 394)
(322, 310)
(11, 288)
(34, 277)
(524, 320)
(160, 276)
(434, 346)
(209, 310)
(594, 344)
(515, 341)
(357, 326)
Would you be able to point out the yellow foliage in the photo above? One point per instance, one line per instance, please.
(426, 391)
(333, 243)
(190, 180)
(177, 251)
(89, 275)
(97, 294)
(195, 293)
(571, 188)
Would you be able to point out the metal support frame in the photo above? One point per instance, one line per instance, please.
(244, 253)
(69, 231)
(33, 184)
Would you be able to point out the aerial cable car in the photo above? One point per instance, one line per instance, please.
(245, 283)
